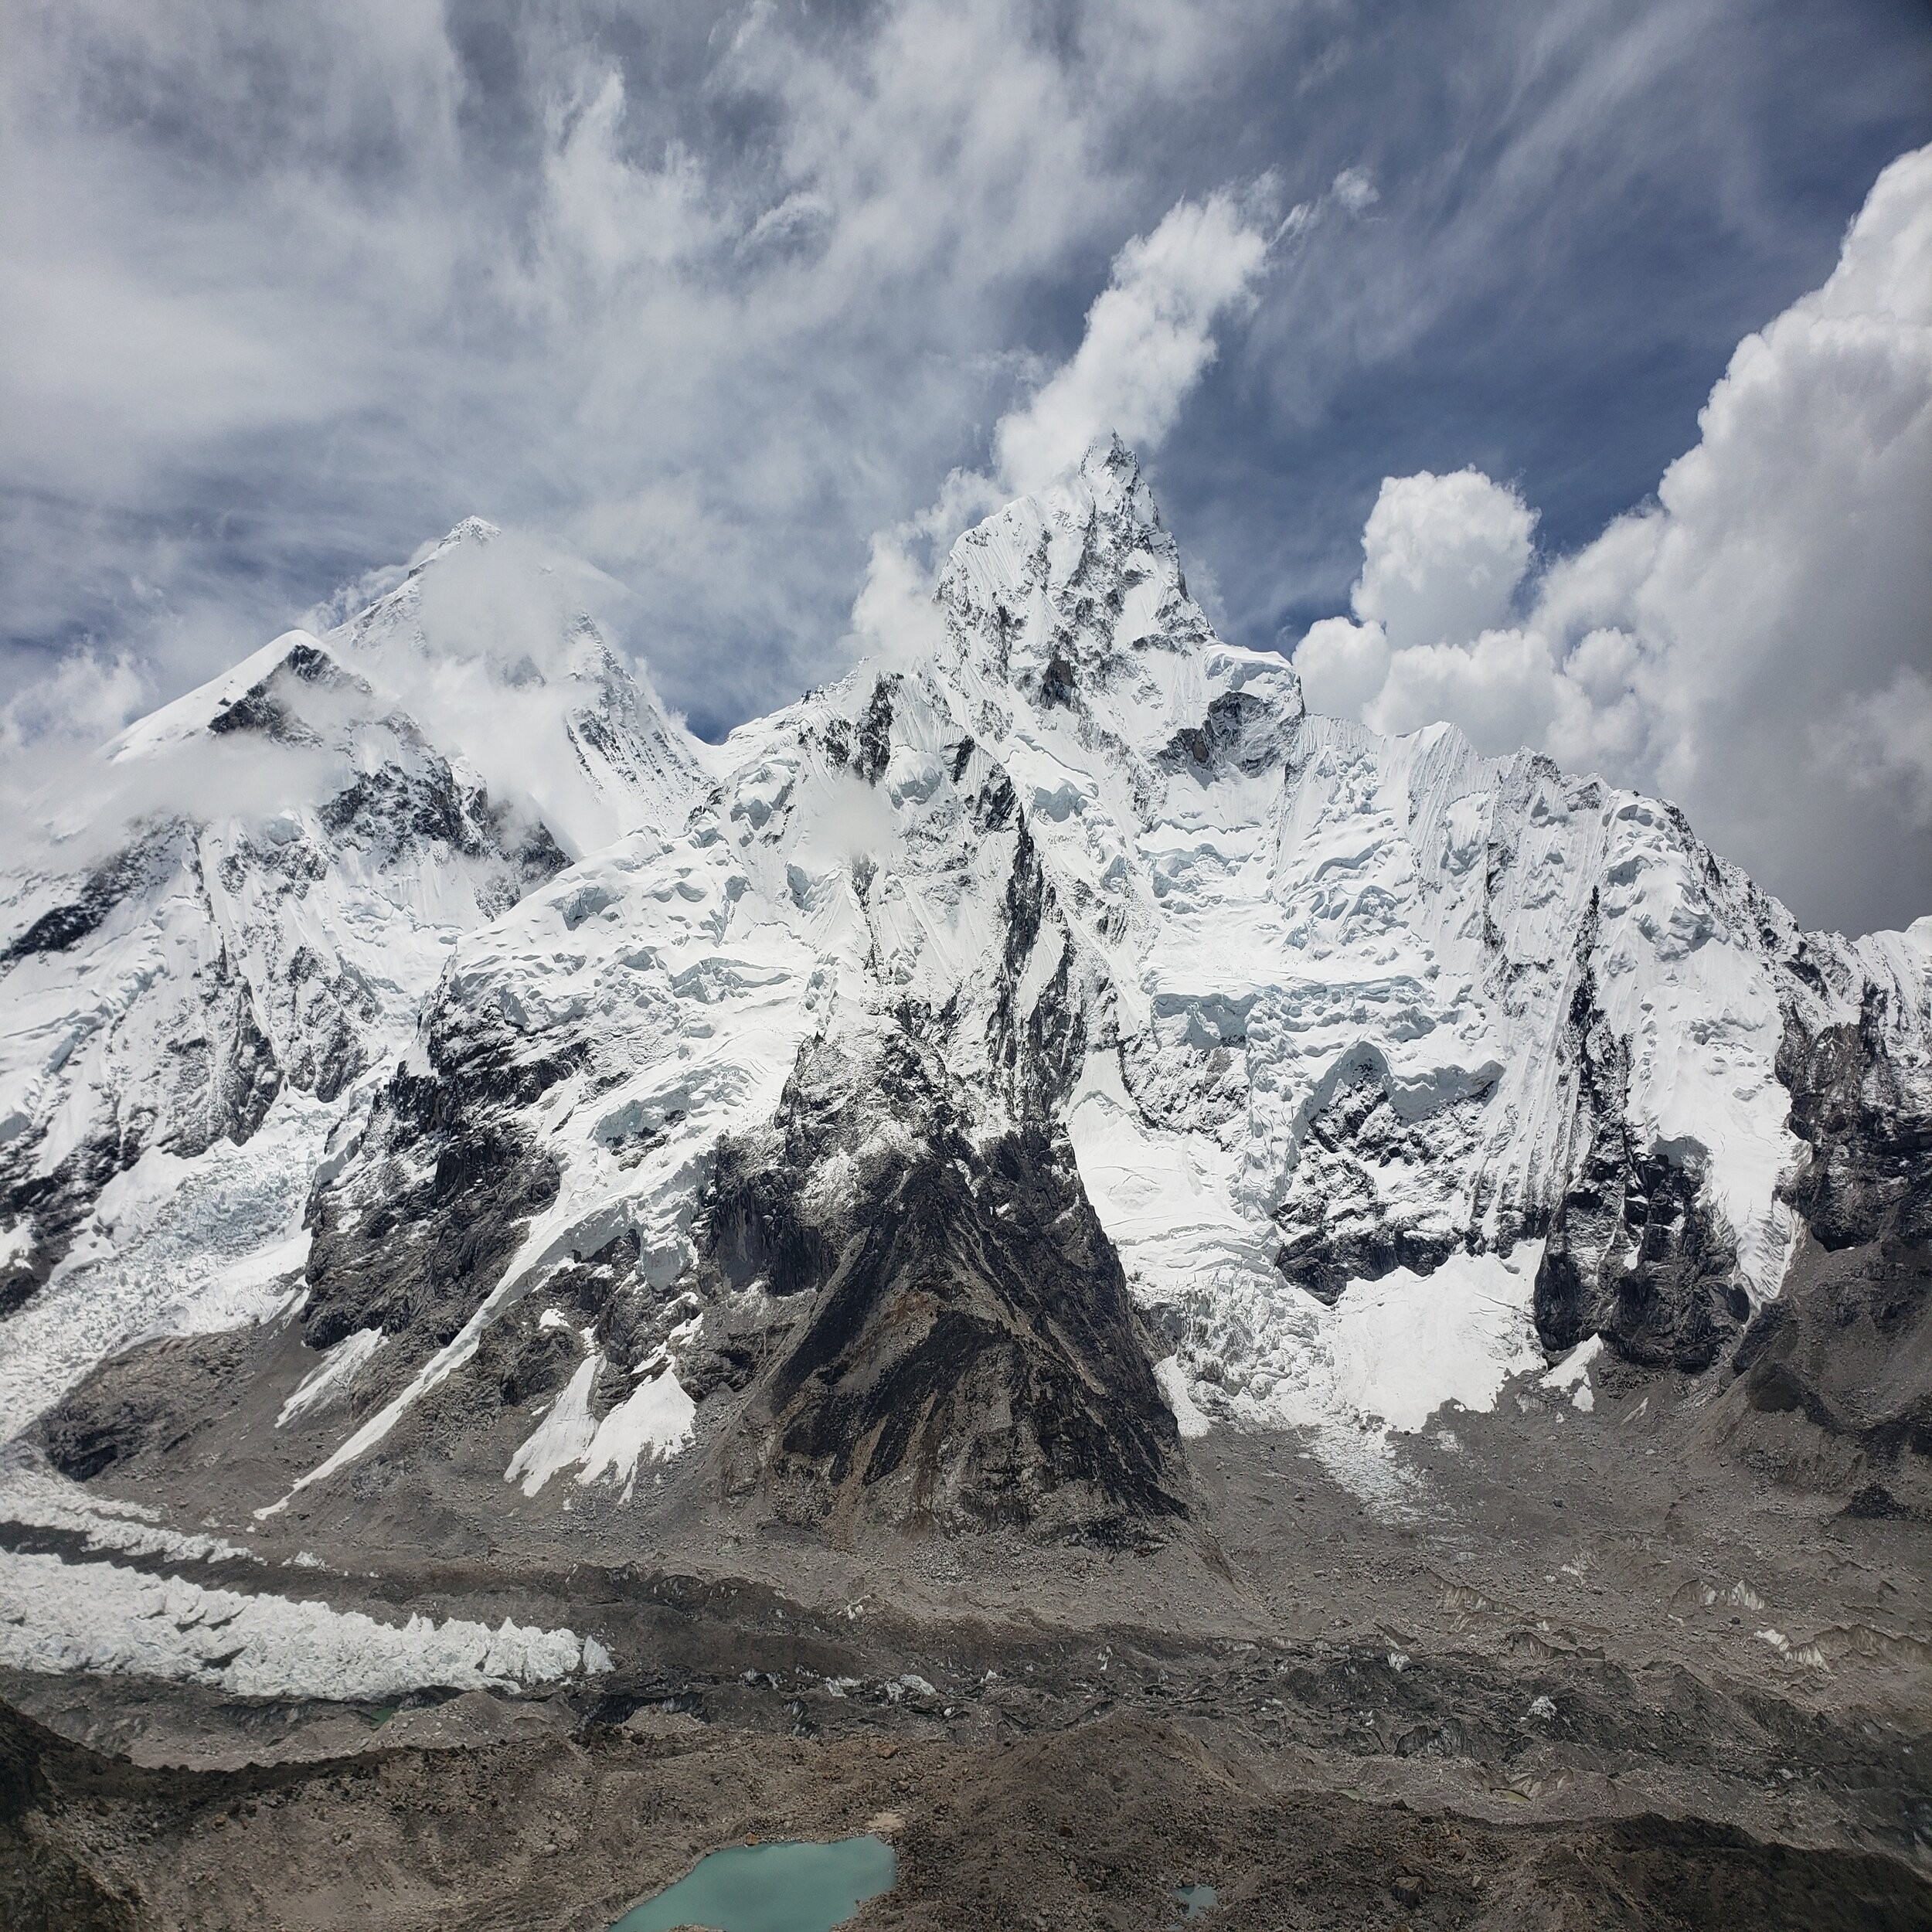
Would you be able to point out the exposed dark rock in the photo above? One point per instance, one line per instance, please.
(526, 1360)
(1325, 1264)
(143, 1403)
(445, 1158)
(1869, 1177)
(973, 1358)
(755, 1228)
(1337, 1225)
(1240, 729)
(1833, 1380)
(873, 748)
(1041, 1053)
(996, 804)
(265, 708)
(391, 807)
(145, 858)
(226, 1075)
(332, 1009)
(53, 1204)
(1634, 1253)
(1058, 681)
(65, 926)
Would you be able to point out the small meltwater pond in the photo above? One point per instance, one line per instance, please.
(770, 1887)
(1195, 1900)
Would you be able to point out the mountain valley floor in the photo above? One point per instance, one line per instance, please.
(1629, 1666)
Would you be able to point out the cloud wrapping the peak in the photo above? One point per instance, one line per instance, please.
(1751, 645)
(1148, 338)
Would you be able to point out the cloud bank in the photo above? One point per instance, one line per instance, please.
(1754, 644)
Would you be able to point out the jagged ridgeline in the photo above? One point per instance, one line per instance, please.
(919, 1109)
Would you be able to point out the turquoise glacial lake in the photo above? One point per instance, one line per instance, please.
(770, 1887)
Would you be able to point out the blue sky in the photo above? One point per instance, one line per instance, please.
(714, 295)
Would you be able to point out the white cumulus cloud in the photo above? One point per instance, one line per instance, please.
(1442, 557)
(1149, 336)
(1148, 339)
(1752, 645)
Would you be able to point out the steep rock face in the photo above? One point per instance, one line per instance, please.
(966, 1340)
(408, 1247)
(1858, 1104)
(1834, 1379)
(1635, 1252)
(1374, 1003)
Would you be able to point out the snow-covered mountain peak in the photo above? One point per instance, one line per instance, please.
(295, 656)
(470, 529)
(1077, 593)
(503, 651)
(1074, 650)
(1070, 980)
(234, 914)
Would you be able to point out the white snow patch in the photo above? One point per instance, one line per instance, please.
(41, 1499)
(1572, 1373)
(563, 1436)
(1403, 1346)
(655, 1419)
(332, 1377)
(1188, 1416)
(56, 1616)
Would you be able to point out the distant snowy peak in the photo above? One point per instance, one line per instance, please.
(490, 654)
(1083, 574)
(1075, 599)
(245, 898)
(275, 867)
(501, 651)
